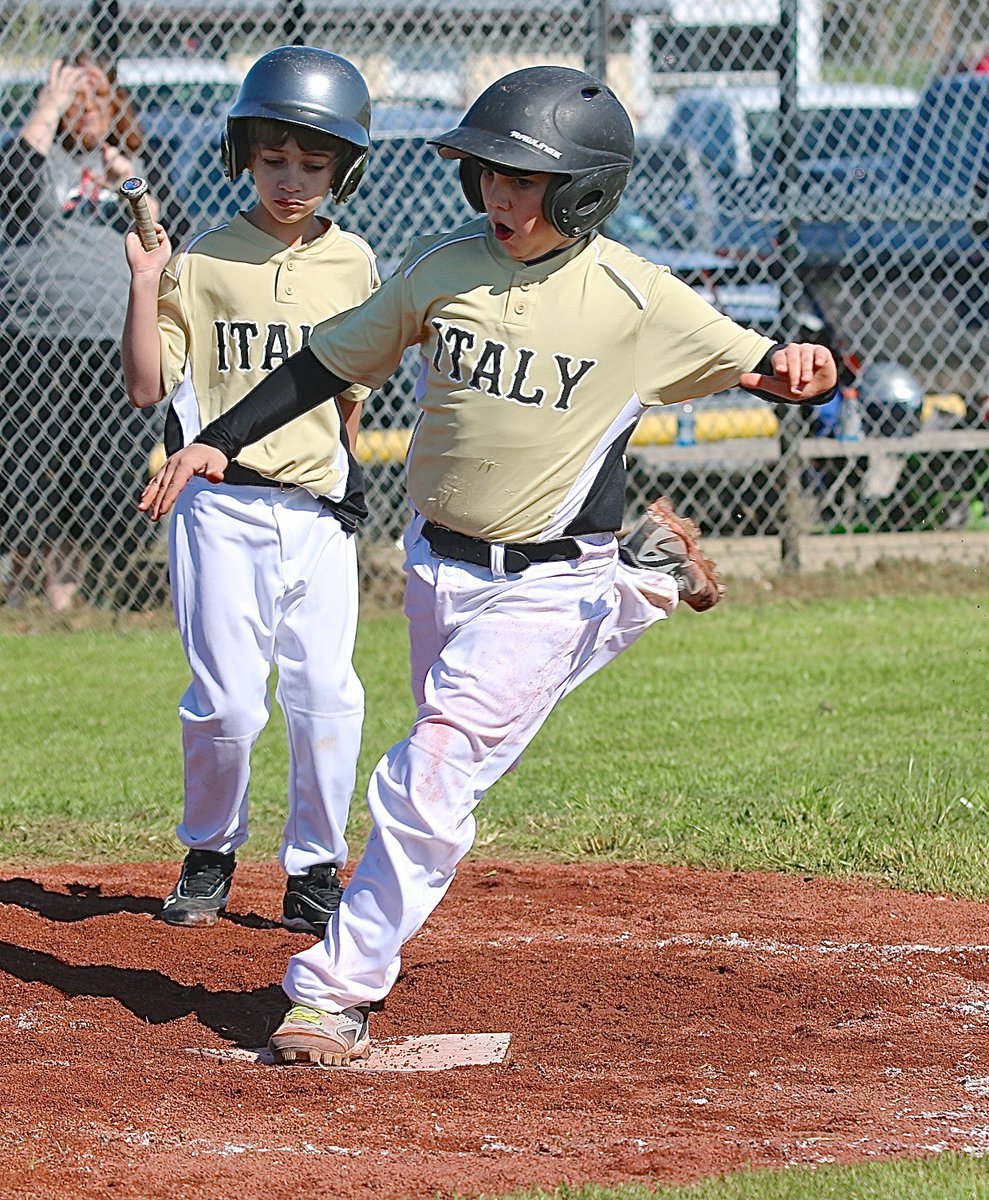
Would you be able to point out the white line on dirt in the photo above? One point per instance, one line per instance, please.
(736, 941)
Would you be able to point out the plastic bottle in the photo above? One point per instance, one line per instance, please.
(850, 424)
(686, 426)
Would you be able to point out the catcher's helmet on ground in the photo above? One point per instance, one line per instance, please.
(304, 86)
(552, 119)
(891, 400)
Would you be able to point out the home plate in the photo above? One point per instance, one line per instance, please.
(431, 1052)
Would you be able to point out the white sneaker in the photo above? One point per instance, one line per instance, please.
(329, 1039)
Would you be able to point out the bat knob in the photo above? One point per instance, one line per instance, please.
(133, 188)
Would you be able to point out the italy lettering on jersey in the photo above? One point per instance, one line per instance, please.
(233, 305)
(532, 376)
(247, 346)
(500, 370)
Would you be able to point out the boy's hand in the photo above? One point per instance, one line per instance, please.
(163, 490)
(801, 371)
(143, 261)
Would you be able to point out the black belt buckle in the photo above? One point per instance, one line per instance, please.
(516, 560)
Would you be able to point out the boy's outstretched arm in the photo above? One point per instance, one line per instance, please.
(797, 373)
(299, 385)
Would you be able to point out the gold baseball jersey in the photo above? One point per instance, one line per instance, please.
(233, 304)
(533, 376)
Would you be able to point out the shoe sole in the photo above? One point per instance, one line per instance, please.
(207, 917)
(300, 1055)
(301, 925)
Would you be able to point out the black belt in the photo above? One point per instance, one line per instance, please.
(518, 555)
(245, 477)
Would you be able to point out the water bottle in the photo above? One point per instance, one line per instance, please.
(686, 426)
(850, 426)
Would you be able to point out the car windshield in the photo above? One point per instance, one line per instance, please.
(736, 131)
(830, 132)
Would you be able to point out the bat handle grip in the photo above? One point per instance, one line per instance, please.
(137, 198)
(145, 223)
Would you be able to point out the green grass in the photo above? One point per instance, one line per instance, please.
(843, 736)
(840, 737)
(950, 1177)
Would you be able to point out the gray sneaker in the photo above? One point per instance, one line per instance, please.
(327, 1039)
(201, 892)
(311, 899)
(661, 541)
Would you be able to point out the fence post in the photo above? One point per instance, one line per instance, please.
(598, 18)
(790, 431)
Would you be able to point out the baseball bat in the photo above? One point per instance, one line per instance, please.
(135, 192)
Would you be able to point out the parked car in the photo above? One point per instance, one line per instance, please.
(712, 181)
(915, 222)
(923, 194)
(893, 235)
(735, 130)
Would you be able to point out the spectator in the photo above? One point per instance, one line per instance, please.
(71, 451)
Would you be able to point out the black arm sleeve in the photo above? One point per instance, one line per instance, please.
(298, 386)
(765, 367)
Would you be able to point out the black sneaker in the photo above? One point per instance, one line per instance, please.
(311, 899)
(202, 890)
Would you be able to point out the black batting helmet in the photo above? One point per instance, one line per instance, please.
(552, 119)
(304, 86)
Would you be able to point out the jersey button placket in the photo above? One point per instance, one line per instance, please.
(286, 287)
(520, 303)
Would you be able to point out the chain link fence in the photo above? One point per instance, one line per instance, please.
(816, 169)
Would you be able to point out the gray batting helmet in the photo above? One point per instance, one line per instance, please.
(304, 86)
(548, 119)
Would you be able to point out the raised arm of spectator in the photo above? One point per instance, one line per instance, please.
(51, 105)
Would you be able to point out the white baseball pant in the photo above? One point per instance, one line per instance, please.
(491, 655)
(265, 577)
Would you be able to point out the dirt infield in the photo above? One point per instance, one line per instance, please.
(665, 1025)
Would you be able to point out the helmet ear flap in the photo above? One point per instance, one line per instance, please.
(583, 201)
(470, 181)
(573, 205)
(234, 151)
(349, 176)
